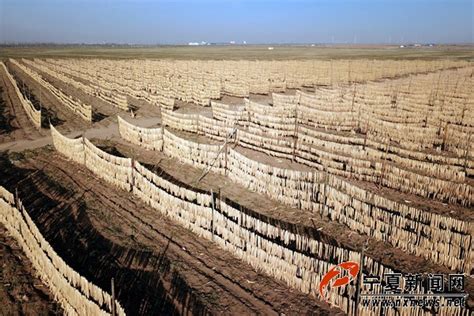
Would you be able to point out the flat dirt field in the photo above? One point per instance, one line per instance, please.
(367, 156)
(236, 52)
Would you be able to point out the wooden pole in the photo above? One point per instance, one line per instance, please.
(359, 118)
(349, 79)
(132, 180)
(212, 220)
(384, 162)
(331, 74)
(40, 98)
(113, 296)
(464, 110)
(468, 149)
(359, 279)
(16, 197)
(437, 87)
(84, 143)
(225, 158)
(218, 154)
(296, 132)
(366, 131)
(353, 98)
(445, 135)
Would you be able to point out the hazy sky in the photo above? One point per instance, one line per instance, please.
(254, 21)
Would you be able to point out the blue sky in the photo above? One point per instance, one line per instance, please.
(257, 21)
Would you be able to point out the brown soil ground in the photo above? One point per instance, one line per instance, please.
(21, 292)
(15, 124)
(159, 267)
(50, 105)
(141, 108)
(101, 108)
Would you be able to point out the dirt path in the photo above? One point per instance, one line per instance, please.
(102, 110)
(21, 126)
(21, 292)
(140, 107)
(107, 130)
(6, 117)
(67, 120)
(143, 108)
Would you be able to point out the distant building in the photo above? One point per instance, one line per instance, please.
(198, 44)
(270, 48)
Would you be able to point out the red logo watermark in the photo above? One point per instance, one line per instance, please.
(338, 273)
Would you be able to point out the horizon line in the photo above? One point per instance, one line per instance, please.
(233, 44)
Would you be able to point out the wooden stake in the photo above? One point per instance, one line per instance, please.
(132, 180)
(84, 143)
(384, 162)
(366, 132)
(349, 79)
(353, 98)
(225, 159)
(445, 135)
(359, 279)
(218, 154)
(113, 297)
(296, 132)
(331, 74)
(464, 110)
(16, 197)
(40, 98)
(212, 220)
(359, 118)
(468, 149)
